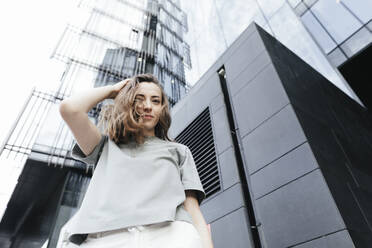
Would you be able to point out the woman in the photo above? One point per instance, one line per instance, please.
(145, 190)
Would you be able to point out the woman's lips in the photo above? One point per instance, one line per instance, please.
(148, 117)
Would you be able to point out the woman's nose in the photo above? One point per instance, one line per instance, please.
(147, 105)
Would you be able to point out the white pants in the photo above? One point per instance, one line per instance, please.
(174, 234)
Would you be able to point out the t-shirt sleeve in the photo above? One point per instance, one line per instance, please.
(190, 176)
(91, 158)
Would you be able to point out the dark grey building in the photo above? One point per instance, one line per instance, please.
(284, 155)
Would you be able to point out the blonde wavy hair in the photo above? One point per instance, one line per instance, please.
(121, 121)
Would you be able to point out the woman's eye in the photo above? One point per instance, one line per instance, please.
(141, 101)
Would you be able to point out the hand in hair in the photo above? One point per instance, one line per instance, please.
(117, 87)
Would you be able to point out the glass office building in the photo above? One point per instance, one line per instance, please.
(111, 41)
(327, 34)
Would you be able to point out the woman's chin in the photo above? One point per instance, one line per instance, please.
(148, 125)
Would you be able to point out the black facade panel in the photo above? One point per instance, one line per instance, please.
(339, 131)
(30, 214)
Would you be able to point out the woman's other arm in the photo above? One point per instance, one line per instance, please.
(192, 207)
(74, 111)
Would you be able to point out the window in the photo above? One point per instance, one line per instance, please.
(362, 9)
(318, 32)
(336, 19)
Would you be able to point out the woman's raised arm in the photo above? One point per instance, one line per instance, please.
(74, 111)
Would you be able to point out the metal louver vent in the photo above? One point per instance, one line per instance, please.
(198, 136)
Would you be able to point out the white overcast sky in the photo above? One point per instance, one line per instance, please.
(30, 31)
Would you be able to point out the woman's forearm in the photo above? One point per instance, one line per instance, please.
(85, 101)
(204, 233)
(202, 227)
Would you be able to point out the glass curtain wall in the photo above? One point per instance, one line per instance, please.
(341, 28)
(215, 24)
(118, 38)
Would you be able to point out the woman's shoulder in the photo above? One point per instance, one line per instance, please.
(175, 144)
(177, 150)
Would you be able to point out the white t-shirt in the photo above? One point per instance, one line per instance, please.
(134, 185)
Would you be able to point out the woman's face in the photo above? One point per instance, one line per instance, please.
(148, 105)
